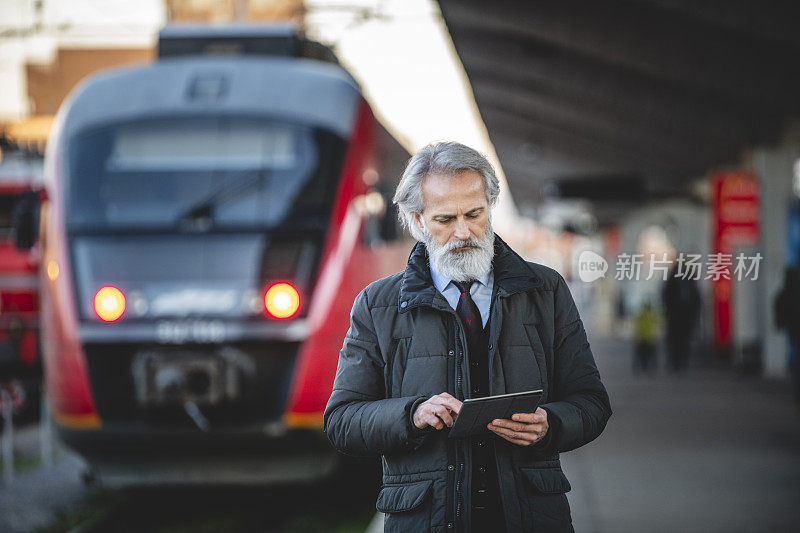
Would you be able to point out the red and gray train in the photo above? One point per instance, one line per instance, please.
(208, 219)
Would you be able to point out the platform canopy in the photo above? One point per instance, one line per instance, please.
(622, 100)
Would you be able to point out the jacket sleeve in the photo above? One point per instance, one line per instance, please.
(579, 406)
(359, 420)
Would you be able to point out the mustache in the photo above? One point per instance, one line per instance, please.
(471, 243)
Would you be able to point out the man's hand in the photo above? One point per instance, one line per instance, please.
(437, 411)
(523, 428)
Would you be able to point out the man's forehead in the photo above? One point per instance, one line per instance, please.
(452, 210)
(465, 187)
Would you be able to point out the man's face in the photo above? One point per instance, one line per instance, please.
(456, 224)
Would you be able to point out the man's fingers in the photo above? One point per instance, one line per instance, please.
(506, 432)
(436, 416)
(512, 436)
(528, 418)
(442, 412)
(448, 401)
(516, 426)
(436, 411)
(454, 407)
(531, 433)
(434, 421)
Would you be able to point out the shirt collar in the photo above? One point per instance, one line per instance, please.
(441, 282)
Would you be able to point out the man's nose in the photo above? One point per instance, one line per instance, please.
(462, 230)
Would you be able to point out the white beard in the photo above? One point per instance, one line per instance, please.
(464, 265)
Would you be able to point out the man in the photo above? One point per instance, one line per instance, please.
(467, 318)
(786, 310)
(682, 309)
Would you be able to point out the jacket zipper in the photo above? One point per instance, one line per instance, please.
(458, 491)
(459, 393)
(459, 359)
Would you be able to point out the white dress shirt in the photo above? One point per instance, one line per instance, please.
(481, 292)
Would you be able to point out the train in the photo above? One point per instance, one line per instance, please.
(20, 363)
(207, 221)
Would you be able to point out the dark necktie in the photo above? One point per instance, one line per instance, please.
(467, 311)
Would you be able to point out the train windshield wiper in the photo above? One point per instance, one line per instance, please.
(204, 209)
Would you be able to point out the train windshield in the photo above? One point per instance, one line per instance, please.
(228, 172)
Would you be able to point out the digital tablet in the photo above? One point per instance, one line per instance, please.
(476, 413)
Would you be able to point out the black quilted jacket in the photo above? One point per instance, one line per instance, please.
(405, 344)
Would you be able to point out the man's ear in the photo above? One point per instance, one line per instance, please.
(419, 222)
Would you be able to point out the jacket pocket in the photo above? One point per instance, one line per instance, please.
(545, 491)
(407, 506)
(547, 480)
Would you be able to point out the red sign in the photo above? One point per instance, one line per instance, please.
(736, 223)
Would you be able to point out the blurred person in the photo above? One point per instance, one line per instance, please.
(11, 351)
(468, 317)
(9, 362)
(11, 369)
(787, 316)
(682, 311)
(645, 333)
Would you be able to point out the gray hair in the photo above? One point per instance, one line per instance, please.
(449, 158)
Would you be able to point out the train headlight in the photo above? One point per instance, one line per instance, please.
(281, 300)
(109, 303)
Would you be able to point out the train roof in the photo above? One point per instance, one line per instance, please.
(278, 32)
(240, 39)
(299, 90)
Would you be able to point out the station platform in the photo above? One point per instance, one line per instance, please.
(707, 450)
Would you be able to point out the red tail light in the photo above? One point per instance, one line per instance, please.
(281, 300)
(109, 303)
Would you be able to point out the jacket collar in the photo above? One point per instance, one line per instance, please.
(511, 275)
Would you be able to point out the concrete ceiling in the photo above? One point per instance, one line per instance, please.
(644, 95)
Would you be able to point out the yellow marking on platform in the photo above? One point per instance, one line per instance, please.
(303, 420)
(91, 421)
